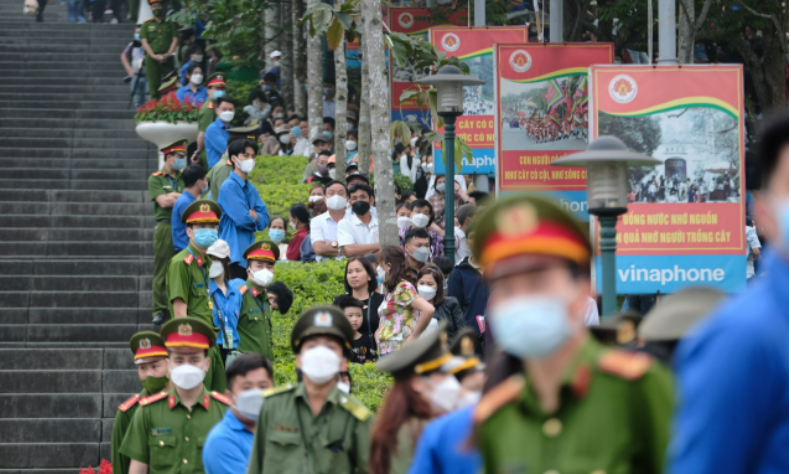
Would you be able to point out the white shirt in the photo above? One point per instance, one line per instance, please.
(353, 231)
(462, 249)
(591, 313)
(328, 108)
(323, 228)
(752, 243)
(410, 173)
(302, 147)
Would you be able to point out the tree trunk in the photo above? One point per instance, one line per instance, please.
(270, 36)
(315, 102)
(341, 97)
(300, 59)
(380, 122)
(774, 67)
(287, 58)
(364, 123)
(686, 31)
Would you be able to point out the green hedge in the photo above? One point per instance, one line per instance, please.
(270, 169)
(316, 284)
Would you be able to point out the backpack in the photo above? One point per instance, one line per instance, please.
(306, 253)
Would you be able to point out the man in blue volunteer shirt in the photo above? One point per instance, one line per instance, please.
(733, 368)
(216, 136)
(228, 446)
(243, 211)
(194, 177)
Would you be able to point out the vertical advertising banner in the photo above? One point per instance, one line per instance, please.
(685, 223)
(542, 116)
(475, 47)
(412, 22)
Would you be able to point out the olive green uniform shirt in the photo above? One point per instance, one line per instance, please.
(255, 322)
(289, 439)
(123, 419)
(613, 417)
(185, 280)
(217, 175)
(159, 35)
(169, 436)
(206, 115)
(161, 183)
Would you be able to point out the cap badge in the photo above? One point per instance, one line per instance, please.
(185, 330)
(204, 208)
(145, 343)
(517, 220)
(322, 320)
(265, 246)
(467, 347)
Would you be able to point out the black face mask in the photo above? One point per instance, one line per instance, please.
(361, 207)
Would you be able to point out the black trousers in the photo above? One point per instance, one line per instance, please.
(42, 4)
(238, 272)
(97, 10)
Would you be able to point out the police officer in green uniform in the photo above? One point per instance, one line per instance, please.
(169, 428)
(312, 427)
(159, 39)
(164, 187)
(150, 356)
(561, 402)
(169, 84)
(223, 168)
(255, 317)
(188, 282)
(207, 114)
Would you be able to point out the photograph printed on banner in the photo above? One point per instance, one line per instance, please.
(699, 150)
(479, 100)
(408, 72)
(545, 115)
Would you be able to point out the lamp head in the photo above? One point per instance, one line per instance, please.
(450, 82)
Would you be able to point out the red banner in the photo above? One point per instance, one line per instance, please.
(542, 96)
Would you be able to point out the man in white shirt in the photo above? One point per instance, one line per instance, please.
(464, 216)
(358, 234)
(302, 147)
(753, 248)
(324, 228)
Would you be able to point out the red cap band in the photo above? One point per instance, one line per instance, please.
(151, 352)
(258, 254)
(193, 340)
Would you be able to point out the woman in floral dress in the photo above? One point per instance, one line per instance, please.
(403, 315)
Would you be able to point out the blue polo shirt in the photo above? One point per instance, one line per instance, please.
(227, 448)
(196, 98)
(177, 229)
(216, 140)
(183, 72)
(237, 227)
(733, 383)
(442, 448)
(230, 305)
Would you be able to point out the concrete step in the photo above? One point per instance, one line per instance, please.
(99, 94)
(54, 113)
(118, 222)
(77, 249)
(63, 430)
(65, 81)
(71, 208)
(90, 59)
(76, 267)
(85, 236)
(55, 65)
(83, 105)
(85, 283)
(55, 316)
(92, 184)
(68, 123)
(52, 455)
(74, 196)
(24, 71)
(33, 405)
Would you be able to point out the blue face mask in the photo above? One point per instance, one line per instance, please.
(277, 235)
(137, 36)
(781, 214)
(297, 132)
(329, 135)
(218, 94)
(266, 88)
(204, 238)
(530, 327)
(179, 164)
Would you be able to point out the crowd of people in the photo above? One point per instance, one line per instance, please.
(713, 187)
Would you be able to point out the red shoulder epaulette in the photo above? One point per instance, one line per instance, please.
(129, 403)
(228, 162)
(504, 393)
(153, 398)
(243, 289)
(158, 173)
(188, 259)
(220, 397)
(254, 292)
(210, 106)
(624, 364)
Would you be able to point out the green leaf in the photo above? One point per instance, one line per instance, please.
(399, 51)
(407, 94)
(334, 35)
(346, 20)
(322, 17)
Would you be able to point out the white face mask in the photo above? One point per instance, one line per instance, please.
(320, 364)
(187, 376)
(426, 292)
(285, 138)
(445, 394)
(469, 399)
(380, 272)
(216, 269)
(404, 222)
(226, 116)
(315, 198)
(249, 403)
(413, 142)
(351, 145)
(196, 79)
(420, 220)
(332, 173)
(263, 277)
(336, 203)
(196, 58)
(246, 166)
(292, 225)
(344, 387)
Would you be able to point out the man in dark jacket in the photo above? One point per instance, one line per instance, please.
(467, 286)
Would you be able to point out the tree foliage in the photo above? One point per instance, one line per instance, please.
(640, 134)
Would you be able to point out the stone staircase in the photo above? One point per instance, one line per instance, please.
(75, 239)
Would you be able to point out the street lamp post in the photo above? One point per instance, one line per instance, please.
(450, 82)
(607, 160)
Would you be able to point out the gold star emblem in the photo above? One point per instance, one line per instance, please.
(145, 343)
(517, 220)
(205, 208)
(265, 246)
(185, 330)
